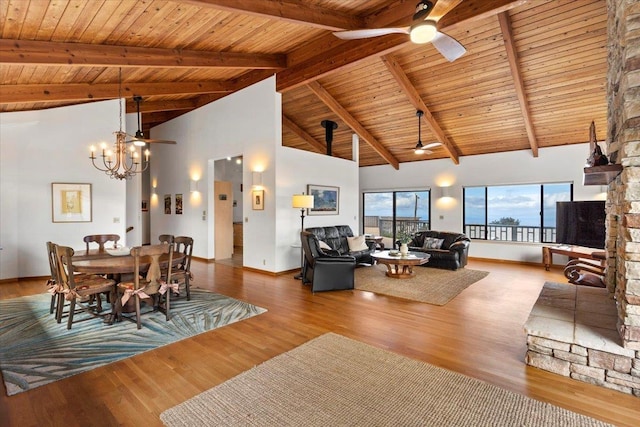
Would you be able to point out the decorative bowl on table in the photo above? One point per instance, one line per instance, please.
(119, 251)
(394, 253)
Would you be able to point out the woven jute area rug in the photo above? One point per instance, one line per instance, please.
(336, 381)
(430, 285)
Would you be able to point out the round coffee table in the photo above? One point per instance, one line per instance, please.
(400, 267)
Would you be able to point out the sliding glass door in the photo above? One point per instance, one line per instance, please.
(388, 214)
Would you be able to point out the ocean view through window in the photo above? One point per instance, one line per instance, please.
(517, 213)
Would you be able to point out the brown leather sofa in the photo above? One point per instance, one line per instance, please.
(451, 255)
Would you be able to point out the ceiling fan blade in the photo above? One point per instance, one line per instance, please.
(441, 8)
(159, 141)
(449, 47)
(368, 33)
(138, 138)
(432, 145)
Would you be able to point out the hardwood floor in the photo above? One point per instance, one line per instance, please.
(479, 333)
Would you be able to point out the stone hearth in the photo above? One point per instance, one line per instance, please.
(572, 331)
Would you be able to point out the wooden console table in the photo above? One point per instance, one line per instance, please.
(573, 252)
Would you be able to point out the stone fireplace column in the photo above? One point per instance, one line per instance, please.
(623, 143)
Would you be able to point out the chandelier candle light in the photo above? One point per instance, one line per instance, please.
(121, 162)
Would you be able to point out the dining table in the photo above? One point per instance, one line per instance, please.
(104, 262)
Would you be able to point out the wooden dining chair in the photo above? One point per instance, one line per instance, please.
(181, 273)
(78, 288)
(101, 239)
(53, 284)
(151, 288)
(166, 238)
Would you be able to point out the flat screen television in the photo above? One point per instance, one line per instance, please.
(581, 223)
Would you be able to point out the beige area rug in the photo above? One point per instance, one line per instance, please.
(430, 285)
(336, 381)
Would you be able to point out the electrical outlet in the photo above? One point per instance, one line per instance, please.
(116, 220)
(441, 217)
(264, 262)
(246, 219)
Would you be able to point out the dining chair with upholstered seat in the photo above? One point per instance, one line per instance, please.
(101, 239)
(79, 287)
(151, 288)
(181, 273)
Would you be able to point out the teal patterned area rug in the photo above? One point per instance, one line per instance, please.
(35, 350)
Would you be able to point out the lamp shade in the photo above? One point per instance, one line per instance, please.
(302, 201)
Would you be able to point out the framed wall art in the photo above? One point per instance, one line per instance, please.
(70, 202)
(326, 200)
(257, 200)
(167, 204)
(178, 204)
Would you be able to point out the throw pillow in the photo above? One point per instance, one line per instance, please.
(432, 243)
(323, 245)
(357, 243)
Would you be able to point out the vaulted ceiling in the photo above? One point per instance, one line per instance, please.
(533, 75)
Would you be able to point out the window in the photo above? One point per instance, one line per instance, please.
(516, 213)
(387, 214)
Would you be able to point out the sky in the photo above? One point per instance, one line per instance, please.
(521, 202)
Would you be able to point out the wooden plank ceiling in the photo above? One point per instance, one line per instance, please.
(533, 75)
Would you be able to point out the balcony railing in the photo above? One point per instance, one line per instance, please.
(403, 225)
(495, 232)
(510, 233)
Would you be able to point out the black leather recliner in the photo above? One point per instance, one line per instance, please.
(323, 271)
(335, 237)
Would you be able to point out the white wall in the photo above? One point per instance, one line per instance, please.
(45, 146)
(239, 124)
(554, 164)
(296, 169)
(246, 123)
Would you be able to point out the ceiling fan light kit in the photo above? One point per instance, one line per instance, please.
(423, 32)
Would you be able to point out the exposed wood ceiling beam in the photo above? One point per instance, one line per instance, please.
(473, 10)
(341, 55)
(315, 144)
(85, 91)
(55, 53)
(346, 117)
(245, 80)
(512, 56)
(441, 8)
(333, 56)
(155, 106)
(415, 99)
(295, 12)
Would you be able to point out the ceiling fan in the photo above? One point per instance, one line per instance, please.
(423, 29)
(139, 138)
(419, 148)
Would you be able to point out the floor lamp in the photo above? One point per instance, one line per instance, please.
(302, 202)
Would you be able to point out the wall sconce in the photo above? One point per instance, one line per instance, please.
(193, 186)
(446, 192)
(257, 179)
